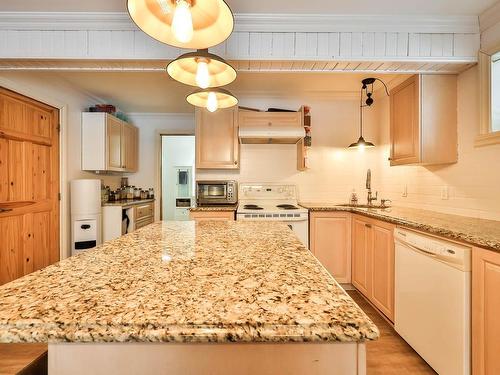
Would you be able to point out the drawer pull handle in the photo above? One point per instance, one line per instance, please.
(85, 226)
(368, 225)
(2, 210)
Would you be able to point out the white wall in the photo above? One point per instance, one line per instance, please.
(151, 126)
(177, 151)
(54, 91)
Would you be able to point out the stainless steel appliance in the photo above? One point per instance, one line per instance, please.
(273, 202)
(216, 192)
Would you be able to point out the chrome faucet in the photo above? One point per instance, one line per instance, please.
(370, 199)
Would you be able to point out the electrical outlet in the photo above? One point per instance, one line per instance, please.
(445, 193)
(405, 191)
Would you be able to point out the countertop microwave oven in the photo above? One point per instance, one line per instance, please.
(216, 192)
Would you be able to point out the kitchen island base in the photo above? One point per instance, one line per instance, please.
(341, 358)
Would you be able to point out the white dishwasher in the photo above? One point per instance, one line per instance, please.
(432, 300)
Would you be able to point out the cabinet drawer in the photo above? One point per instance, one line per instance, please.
(142, 223)
(143, 211)
(249, 119)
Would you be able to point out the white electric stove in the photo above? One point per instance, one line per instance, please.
(273, 202)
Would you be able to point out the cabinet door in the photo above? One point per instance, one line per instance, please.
(383, 268)
(114, 143)
(129, 148)
(361, 255)
(485, 312)
(217, 145)
(331, 242)
(253, 119)
(405, 122)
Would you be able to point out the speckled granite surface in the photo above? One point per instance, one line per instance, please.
(232, 207)
(478, 232)
(185, 282)
(127, 203)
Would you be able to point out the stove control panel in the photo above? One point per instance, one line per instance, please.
(268, 191)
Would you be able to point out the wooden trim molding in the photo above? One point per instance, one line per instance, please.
(254, 22)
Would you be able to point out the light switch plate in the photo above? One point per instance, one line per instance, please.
(445, 193)
(405, 191)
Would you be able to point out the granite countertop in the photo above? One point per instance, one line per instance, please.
(478, 232)
(231, 207)
(128, 202)
(186, 281)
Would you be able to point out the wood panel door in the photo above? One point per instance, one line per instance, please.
(405, 122)
(383, 268)
(114, 144)
(29, 185)
(330, 234)
(485, 312)
(217, 144)
(361, 255)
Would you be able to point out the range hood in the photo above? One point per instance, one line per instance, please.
(278, 135)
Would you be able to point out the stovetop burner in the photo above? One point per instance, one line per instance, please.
(252, 207)
(287, 207)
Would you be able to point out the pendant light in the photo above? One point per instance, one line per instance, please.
(202, 69)
(194, 24)
(212, 99)
(361, 143)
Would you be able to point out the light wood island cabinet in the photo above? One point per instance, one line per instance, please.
(217, 144)
(331, 242)
(211, 215)
(423, 116)
(485, 312)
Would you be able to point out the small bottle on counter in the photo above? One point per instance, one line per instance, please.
(144, 194)
(151, 193)
(354, 198)
(137, 193)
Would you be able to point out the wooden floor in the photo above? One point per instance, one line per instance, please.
(390, 354)
(23, 359)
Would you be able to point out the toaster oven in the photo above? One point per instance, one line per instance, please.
(216, 192)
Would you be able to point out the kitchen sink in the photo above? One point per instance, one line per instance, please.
(376, 206)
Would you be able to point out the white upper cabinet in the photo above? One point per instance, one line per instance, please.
(108, 144)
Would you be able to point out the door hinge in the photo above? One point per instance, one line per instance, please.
(58, 128)
(59, 196)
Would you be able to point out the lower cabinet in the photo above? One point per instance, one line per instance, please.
(330, 234)
(373, 262)
(485, 312)
(211, 215)
(143, 215)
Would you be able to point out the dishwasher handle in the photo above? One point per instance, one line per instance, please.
(414, 248)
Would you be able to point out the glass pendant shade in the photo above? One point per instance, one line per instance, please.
(194, 24)
(212, 99)
(202, 69)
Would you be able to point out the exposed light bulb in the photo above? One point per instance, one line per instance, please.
(212, 104)
(182, 23)
(202, 75)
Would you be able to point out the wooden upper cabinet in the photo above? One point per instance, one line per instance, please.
(485, 312)
(254, 119)
(217, 145)
(130, 147)
(330, 236)
(108, 143)
(423, 112)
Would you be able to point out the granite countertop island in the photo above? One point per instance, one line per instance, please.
(474, 231)
(185, 282)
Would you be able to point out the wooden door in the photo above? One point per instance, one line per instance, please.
(130, 148)
(383, 268)
(114, 143)
(485, 312)
(330, 234)
(405, 122)
(29, 185)
(217, 145)
(361, 255)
